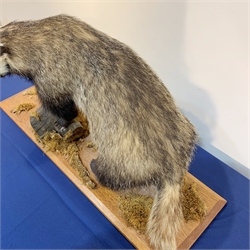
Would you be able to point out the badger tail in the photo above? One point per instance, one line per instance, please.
(165, 217)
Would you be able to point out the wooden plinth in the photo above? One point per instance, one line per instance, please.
(106, 200)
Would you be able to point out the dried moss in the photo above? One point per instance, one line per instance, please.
(36, 115)
(84, 122)
(91, 145)
(193, 207)
(135, 208)
(22, 107)
(54, 142)
(30, 92)
(63, 145)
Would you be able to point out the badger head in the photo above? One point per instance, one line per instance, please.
(4, 67)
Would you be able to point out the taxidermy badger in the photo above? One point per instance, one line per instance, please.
(142, 137)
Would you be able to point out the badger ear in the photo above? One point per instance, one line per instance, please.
(4, 49)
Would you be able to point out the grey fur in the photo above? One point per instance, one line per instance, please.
(141, 135)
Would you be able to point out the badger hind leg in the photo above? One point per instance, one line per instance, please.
(165, 217)
(103, 175)
(110, 175)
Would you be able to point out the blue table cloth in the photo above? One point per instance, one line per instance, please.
(42, 209)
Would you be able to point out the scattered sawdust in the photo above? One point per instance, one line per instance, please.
(22, 107)
(135, 208)
(54, 142)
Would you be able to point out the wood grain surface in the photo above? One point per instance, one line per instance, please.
(106, 200)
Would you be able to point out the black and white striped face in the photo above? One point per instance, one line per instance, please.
(4, 67)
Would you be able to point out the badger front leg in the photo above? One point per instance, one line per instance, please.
(56, 113)
(62, 106)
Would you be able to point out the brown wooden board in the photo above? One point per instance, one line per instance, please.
(106, 200)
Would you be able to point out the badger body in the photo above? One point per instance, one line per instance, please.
(142, 137)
